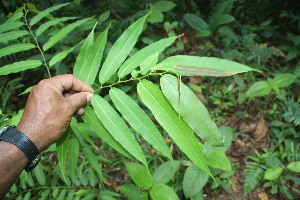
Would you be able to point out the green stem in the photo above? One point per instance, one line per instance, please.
(132, 79)
(37, 44)
(54, 187)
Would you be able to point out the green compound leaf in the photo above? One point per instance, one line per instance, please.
(191, 109)
(63, 33)
(53, 22)
(73, 153)
(163, 112)
(193, 181)
(138, 119)
(96, 125)
(121, 49)
(117, 127)
(273, 173)
(15, 49)
(165, 172)
(258, 89)
(202, 66)
(19, 66)
(60, 56)
(163, 192)
(218, 159)
(44, 13)
(10, 26)
(5, 37)
(140, 175)
(294, 166)
(135, 60)
(62, 146)
(89, 71)
(84, 54)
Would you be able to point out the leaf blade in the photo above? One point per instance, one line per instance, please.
(53, 22)
(44, 13)
(140, 175)
(63, 33)
(138, 119)
(62, 146)
(154, 99)
(12, 35)
(19, 66)
(16, 48)
(7, 26)
(135, 60)
(121, 49)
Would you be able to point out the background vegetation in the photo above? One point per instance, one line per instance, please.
(261, 109)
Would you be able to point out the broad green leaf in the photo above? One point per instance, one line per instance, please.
(93, 161)
(84, 53)
(140, 175)
(44, 13)
(165, 172)
(96, 125)
(163, 192)
(40, 174)
(62, 146)
(16, 16)
(132, 192)
(117, 127)
(193, 181)
(121, 49)
(60, 56)
(5, 37)
(63, 33)
(191, 109)
(164, 6)
(138, 119)
(258, 89)
(163, 112)
(218, 159)
(73, 158)
(10, 26)
(273, 85)
(273, 173)
(15, 48)
(104, 16)
(148, 63)
(227, 135)
(80, 129)
(294, 166)
(50, 23)
(202, 66)
(195, 22)
(284, 80)
(89, 71)
(155, 16)
(135, 60)
(19, 66)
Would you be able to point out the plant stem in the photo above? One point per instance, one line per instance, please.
(132, 79)
(37, 44)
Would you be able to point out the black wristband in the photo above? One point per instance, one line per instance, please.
(13, 136)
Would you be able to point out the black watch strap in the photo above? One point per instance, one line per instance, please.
(13, 136)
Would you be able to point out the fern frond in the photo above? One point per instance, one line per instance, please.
(292, 111)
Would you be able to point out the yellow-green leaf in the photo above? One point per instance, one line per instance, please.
(5, 37)
(19, 66)
(15, 48)
(10, 26)
(62, 146)
(50, 23)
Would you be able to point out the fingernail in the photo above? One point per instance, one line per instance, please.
(89, 97)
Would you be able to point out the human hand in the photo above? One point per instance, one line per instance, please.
(50, 107)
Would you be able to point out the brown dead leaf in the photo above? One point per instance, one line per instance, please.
(195, 80)
(192, 53)
(261, 129)
(201, 97)
(263, 196)
(247, 128)
(240, 143)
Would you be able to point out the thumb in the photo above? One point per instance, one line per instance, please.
(78, 100)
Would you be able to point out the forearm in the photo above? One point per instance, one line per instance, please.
(12, 162)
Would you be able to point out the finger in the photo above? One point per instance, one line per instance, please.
(80, 111)
(78, 100)
(67, 94)
(70, 82)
